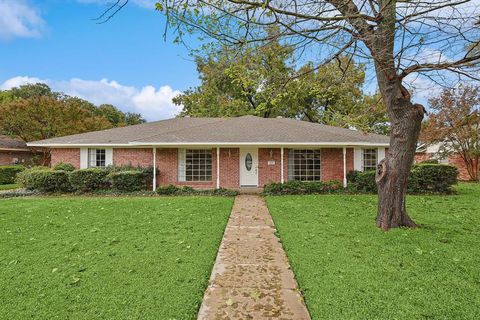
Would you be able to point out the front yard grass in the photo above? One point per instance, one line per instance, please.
(107, 258)
(349, 269)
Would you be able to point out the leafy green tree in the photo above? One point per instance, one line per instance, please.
(132, 118)
(112, 114)
(455, 124)
(45, 117)
(34, 112)
(239, 82)
(117, 117)
(34, 90)
(263, 81)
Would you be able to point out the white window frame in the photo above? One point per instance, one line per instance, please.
(93, 158)
(201, 172)
(375, 160)
(304, 176)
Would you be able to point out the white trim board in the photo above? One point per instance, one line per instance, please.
(214, 144)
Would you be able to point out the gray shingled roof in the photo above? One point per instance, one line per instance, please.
(10, 143)
(241, 130)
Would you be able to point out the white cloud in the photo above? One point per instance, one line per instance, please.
(422, 88)
(18, 19)
(153, 103)
(430, 55)
(18, 81)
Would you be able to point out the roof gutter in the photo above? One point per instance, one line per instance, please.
(15, 149)
(220, 144)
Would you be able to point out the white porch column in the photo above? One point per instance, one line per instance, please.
(218, 167)
(154, 151)
(344, 167)
(282, 179)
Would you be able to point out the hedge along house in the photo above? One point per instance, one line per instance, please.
(243, 152)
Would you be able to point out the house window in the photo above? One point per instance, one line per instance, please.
(369, 159)
(304, 165)
(195, 165)
(96, 158)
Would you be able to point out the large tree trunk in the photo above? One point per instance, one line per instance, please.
(393, 171)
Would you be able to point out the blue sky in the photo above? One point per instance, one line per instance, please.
(124, 61)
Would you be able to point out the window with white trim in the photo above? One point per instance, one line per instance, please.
(304, 165)
(369, 159)
(195, 164)
(97, 158)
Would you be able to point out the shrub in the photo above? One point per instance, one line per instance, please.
(302, 187)
(352, 176)
(364, 181)
(91, 179)
(432, 178)
(147, 172)
(168, 190)
(44, 180)
(8, 173)
(64, 166)
(132, 180)
(225, 192)
(424, 178)
(187, 190)
(434, 161)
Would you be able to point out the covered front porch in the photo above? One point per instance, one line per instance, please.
(249, 167)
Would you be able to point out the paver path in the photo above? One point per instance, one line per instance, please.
(251, 278)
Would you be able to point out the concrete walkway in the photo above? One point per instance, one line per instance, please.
(251, 278)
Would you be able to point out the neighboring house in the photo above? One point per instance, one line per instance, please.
(232, 153)
(14, 151)
(427, 152)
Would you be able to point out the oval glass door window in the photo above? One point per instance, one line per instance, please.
(248, 162)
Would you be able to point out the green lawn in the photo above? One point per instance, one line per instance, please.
(107, 258)
(348, 269)
(9, 186)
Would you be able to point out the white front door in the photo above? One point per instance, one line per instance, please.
(249, 167)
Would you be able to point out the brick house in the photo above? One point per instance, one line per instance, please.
(243, 152)
(426, 152)
(14, 151)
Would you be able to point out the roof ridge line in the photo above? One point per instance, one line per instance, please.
(172, 131)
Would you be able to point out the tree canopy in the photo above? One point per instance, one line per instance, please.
(264, 80)
(455, 125)
(34, 111)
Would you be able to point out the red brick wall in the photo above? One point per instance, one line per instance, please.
(350, 160)
(167, 166)
(65, 155)
(6, 157)
(421, 156)
(135, 157)
(269, 173)
(332, 164)
(457, 161)
(229, 168)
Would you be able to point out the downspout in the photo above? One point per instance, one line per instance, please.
(218, 167)
(154, 182)
(344, 167)
(282, 179)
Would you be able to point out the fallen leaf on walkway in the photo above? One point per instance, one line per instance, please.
(255, 294)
